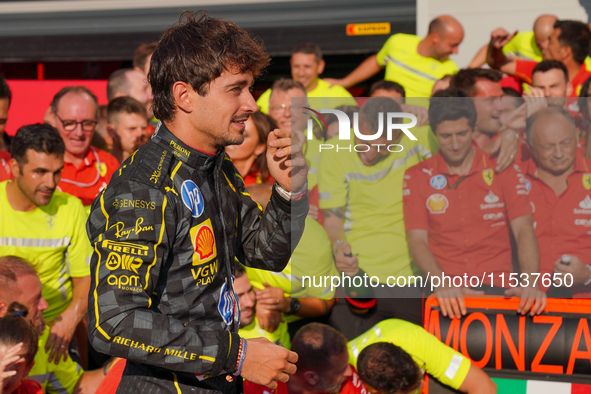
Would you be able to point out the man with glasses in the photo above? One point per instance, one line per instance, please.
(393, 356)
(87, 170)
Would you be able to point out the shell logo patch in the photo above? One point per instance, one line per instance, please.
(203, 243)
(437, 203)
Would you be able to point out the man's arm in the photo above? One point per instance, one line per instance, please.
(580, 271)
(478, 382)
(532, 298)
(65, 324)
(480, 58)
(268, 239)
(274, 299)
(451, 299)
(367, 69)
(89, 381)
(334, 221)
(505, 146)
(495, 57)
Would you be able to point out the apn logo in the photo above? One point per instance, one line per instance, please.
(392, 119)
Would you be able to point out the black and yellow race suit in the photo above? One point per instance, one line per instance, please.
(165, 233)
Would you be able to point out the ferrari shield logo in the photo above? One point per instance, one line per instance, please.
(488, 176)
(587, 181)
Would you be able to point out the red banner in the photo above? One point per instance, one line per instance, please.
(31, 98)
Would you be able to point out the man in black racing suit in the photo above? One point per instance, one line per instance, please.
(167, 228)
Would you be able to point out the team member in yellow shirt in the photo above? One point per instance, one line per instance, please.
(361, 199)
(249, 323)
(414, 63)
(47, 227)
(378, 353)
(306, 67)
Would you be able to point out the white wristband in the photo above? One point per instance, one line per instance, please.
(291, 195)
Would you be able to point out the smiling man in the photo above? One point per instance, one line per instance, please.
(307, 65)
(169, 226)
(126, 124)
(46, 226)
(87, 170)
(414, 62)
(459, 213)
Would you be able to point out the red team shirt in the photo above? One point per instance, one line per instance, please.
(563, 223)
(466, 217)
(352, 385)
(5, 173)
(89, 178)
(524, 70)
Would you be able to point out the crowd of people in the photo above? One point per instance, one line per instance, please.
(162, 242)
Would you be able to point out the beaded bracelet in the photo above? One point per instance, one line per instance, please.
(241, 356)
(239, 360)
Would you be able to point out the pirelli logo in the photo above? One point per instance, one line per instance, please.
(125, 247)
(368, 29)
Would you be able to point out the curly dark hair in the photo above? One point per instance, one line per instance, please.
(387, 368)
(196, 51)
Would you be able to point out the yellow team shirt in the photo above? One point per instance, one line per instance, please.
(440, 361)
(51, 237)
(312, 156)
(416, 73)
(523, 46)
(372, 197)
(61, 378)
(311, 258)
(338, 94)
(279, 337)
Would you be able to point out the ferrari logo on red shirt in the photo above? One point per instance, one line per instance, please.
(437, 203)
(488, 176)
(587, 181)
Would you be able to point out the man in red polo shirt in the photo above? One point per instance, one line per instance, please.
(458, 213)
(490, 134)
(568, 43)
(323, 365)
(560, 181)
(87, 170)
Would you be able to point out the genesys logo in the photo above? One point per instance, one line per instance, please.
(393, 121)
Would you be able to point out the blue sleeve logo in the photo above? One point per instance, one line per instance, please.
(228, 305)
(192, 198)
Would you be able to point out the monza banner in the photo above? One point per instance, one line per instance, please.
(554, 347)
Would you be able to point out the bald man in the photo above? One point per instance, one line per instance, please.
(413, 62)
(568, 43)
(525, 45)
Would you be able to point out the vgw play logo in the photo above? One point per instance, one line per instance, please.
(392, 123)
